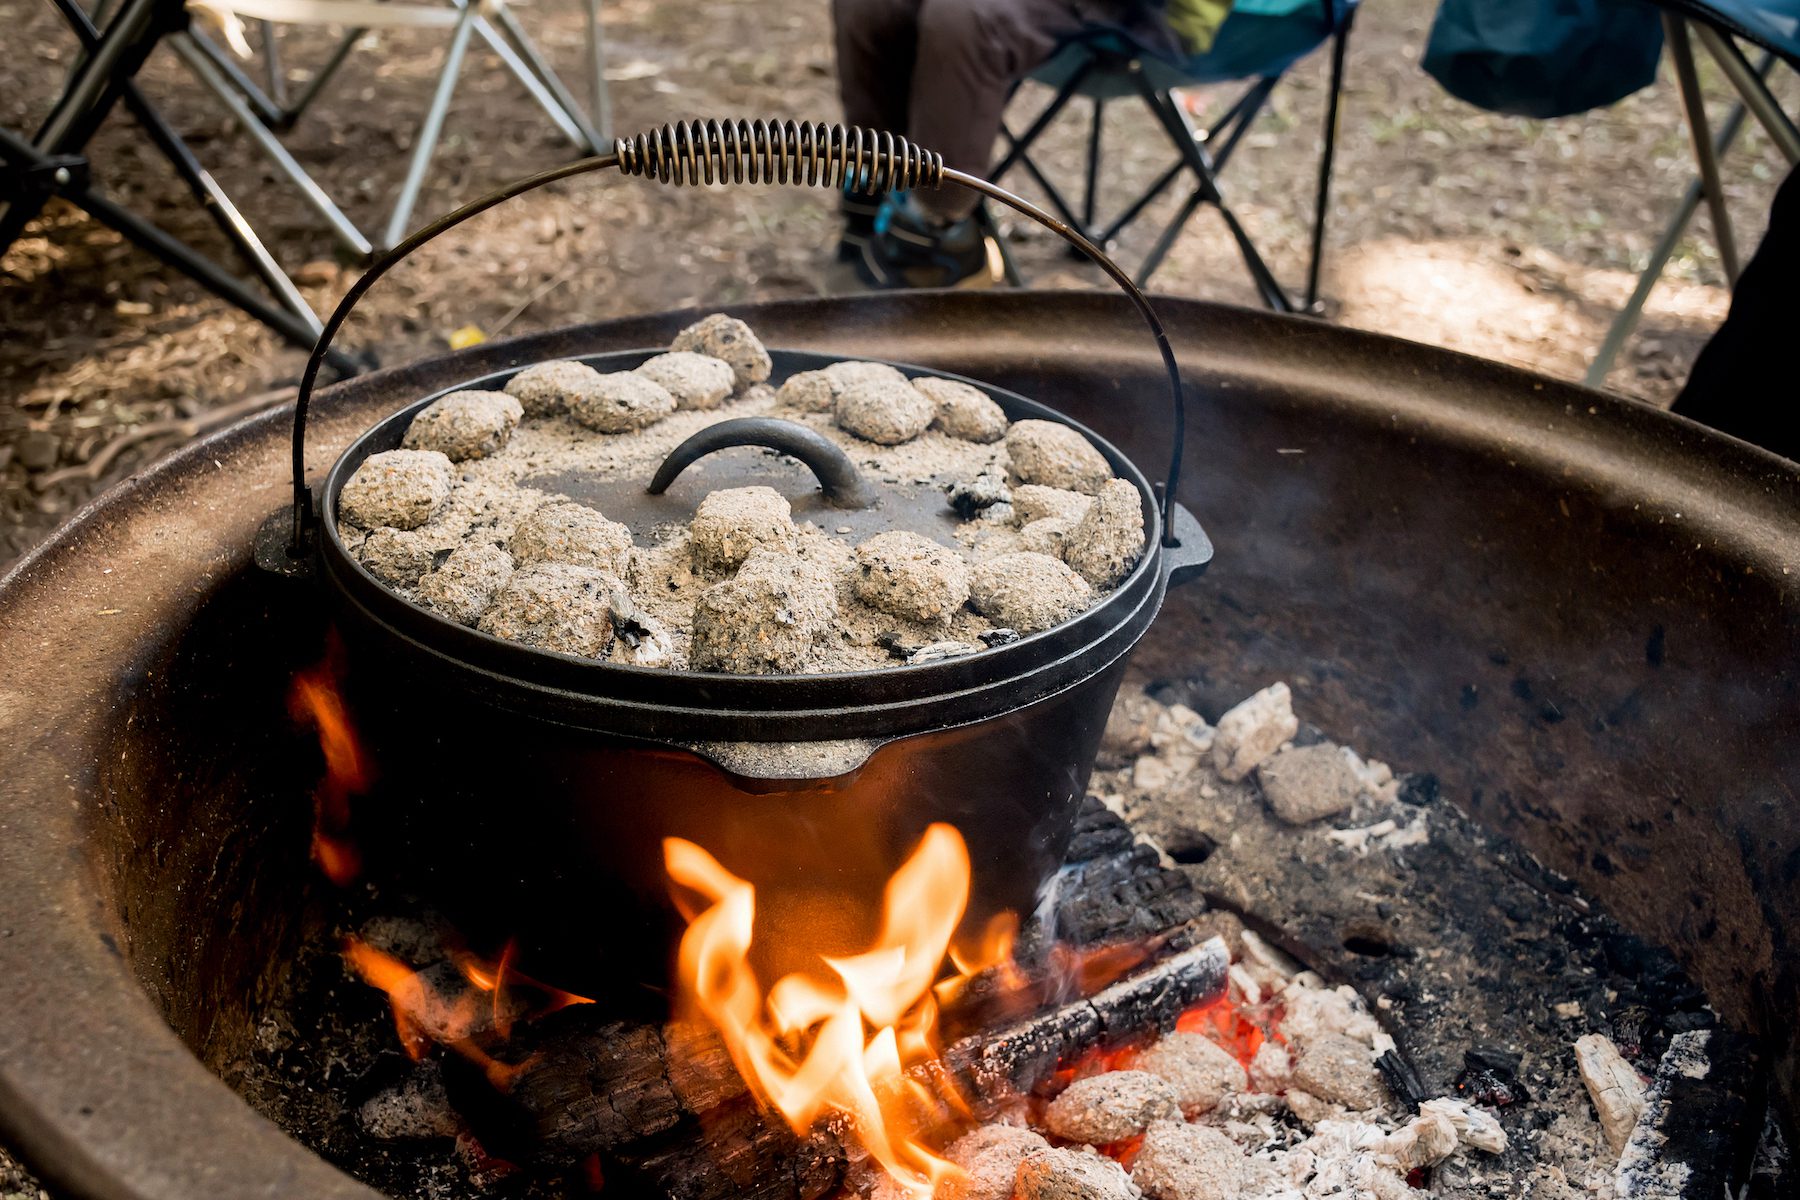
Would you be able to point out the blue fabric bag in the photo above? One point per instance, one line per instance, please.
(1543, 58)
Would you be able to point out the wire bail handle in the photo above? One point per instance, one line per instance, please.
(807, 154)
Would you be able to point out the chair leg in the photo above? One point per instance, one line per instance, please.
(1020, 146)
(1623, 324)
(1675, 29)
(293, 112)
(584, 132)
(1327, 157)
(1144, 201)
(1090, 194)
(1755, 92)
(431, 127)
(1207, 189)
(314, 195)
(600, 97)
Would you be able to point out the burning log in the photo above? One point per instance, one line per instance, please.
(993, 1067)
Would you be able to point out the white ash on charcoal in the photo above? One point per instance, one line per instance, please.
(1047, 453)
(963, 411)
(908, 575)
(555, 606)
(465, 425)
(1253, 731)
(1033, 502)
(1202, 1073)
(729, 339)
(766, 619)
(415, 1108)
(694, 380)
(1109, 539)
(397, 557)
(400, 489)
(991, 1156)
(516, 452)
(1103, 1109)
(732, 522)
(1309, 783)
(1338, 1069)
(1188, 1162)
(973, 497)
(1027, 592)
(563, 531)
(621, 402)
(548, 389)
(1073, 1175)
(819, 391)
(883, 412)
(465, 583)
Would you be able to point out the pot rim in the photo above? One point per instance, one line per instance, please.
(506, 662)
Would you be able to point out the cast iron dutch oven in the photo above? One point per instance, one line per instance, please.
(527, 793)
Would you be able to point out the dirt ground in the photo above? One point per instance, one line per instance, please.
(1509, 238)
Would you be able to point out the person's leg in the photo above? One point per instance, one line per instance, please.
(876, 44)
(1731, 386)
(970, 55)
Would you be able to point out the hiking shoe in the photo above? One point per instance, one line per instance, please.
(910, 250)
(859, 210)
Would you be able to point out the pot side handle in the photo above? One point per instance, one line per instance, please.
(1188, 550)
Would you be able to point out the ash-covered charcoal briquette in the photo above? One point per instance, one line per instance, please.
(1033, 502)
(1054, 455)
(908, 575)
(971, 497)
(1179, 1161)
(639, 640)
(1109, 539)
(400, 489)
(725, 337)
(1309, 783)
(1253, 730)
(732, 522)
(807, 391)
(547, 388)
(397, 557)
(963, 411)
(1047, 535)
(1057, 1174)
(566, 532)
(1103, 1109)
(695, 380)
(465, 583)
(465, 425)
(555, 606)
(1027, 591)
(883, 412)
(1340, 1069)
(767, 619)
(1202, 1072)
(621, 402)
(991, 1156)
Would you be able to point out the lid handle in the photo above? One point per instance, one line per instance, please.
(809, 154)
(837, 475)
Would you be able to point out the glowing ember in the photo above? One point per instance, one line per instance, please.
(847, 1041)
(315, 698)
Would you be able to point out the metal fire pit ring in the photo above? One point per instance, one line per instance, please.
(1443, 510)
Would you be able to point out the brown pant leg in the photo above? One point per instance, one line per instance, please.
(970, 54)
(877, 41)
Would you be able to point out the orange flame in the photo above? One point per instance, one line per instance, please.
(857, 1040)
(426, 1016)
(315, 699)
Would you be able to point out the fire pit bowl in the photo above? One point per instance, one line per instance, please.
(1584, 614)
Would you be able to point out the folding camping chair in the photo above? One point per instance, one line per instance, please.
(264, 112)
(53, 163)
(1774, 27)
(1258, 42)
